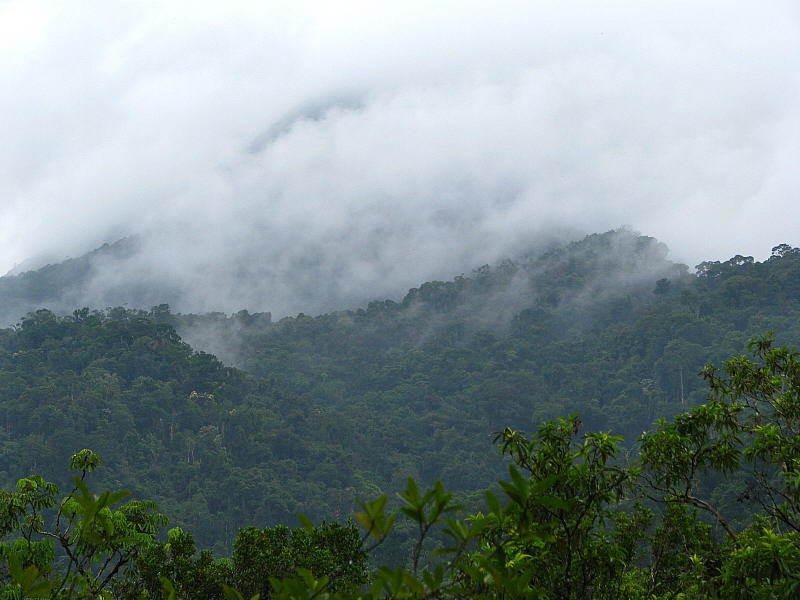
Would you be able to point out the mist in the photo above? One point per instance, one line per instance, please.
(307, 156)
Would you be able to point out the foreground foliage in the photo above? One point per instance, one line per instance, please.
(93, 538)
(573, 520)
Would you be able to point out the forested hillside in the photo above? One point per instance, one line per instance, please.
(323, 410)
(73, 283)
(606, 327)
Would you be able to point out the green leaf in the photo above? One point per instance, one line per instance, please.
(305, 522)
(553, 502)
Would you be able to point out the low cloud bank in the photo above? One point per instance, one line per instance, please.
(306, 157)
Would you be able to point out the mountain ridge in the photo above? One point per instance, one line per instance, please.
(346, 404)
(66, 285)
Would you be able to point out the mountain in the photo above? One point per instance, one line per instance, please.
(71, 284)
(319, 411)
(573, 287)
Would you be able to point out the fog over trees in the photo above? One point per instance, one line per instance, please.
(310, 156)
(356, 300)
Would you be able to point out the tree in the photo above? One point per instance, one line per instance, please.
(748, 433)
(98, 534)
(554, 535)
(752, 420)
(330, 550)
(190, 575)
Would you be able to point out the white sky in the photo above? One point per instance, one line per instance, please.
(389, 143)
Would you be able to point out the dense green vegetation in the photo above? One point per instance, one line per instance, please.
(325, 410)
(605, 327)
(346, 405)
(574, 520)
(203, 440)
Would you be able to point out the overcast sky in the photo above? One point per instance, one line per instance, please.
(381, 144)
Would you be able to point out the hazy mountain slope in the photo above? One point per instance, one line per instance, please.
(606, 326)
(574, 287)
(345, 404)
(65, 286)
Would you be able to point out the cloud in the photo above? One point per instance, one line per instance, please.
(303, 156)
